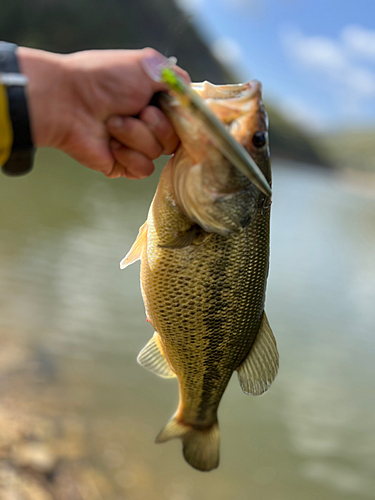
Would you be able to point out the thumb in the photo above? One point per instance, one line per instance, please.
(153, 62)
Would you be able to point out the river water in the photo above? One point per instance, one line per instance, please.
(63, 231)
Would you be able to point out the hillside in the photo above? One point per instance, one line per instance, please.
(66, 26)
(354, 149)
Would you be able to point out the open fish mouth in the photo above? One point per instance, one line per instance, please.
(239, 90)
(222, 139)
(195, 105)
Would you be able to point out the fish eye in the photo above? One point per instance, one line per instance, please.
(259, 139)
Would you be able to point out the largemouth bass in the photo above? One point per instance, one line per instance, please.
(204, 253)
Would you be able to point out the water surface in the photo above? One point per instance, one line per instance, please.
(64, 230)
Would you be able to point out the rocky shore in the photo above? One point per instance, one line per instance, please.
(44, 452)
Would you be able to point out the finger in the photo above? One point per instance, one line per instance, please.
(182, 74)
(161, 128)
(152, 63)
(120, 171)
(135, 165)
(135, 134)
(117, 171)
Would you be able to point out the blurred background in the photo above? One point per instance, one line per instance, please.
(78, 416)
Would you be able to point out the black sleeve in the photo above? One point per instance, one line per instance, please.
(22, 155)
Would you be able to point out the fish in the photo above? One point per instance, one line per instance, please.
(204, 252)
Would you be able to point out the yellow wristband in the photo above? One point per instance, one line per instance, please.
(6, 129)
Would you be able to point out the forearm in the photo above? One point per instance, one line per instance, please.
(48, 95)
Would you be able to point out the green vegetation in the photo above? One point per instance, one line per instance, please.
(67, 25)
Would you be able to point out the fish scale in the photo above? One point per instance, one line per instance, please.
(204, 286)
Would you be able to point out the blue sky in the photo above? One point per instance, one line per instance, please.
(315, 58)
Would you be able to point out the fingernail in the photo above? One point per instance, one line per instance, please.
(115, 122)
(153, 65)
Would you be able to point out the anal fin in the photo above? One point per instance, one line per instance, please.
(135, 253)
(152, 358)
(257, 372)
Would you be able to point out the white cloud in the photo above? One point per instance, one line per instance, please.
(359, 41)
(316, 52)
(320, 53)
(332, 62)
(361, 81)
(227, 50)
(189, 6)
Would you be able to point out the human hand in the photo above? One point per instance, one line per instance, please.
(94, 105)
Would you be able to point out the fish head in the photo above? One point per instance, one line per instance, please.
(247, 120)
(208, 188)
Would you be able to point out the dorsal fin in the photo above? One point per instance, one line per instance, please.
(257, 372)
(135, 253)
(152, 357)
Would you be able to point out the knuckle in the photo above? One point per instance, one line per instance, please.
(156, 120)
(128, 132)
(153, 118)
(128, 126)
(135, 165)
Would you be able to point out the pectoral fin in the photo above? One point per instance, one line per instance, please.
(152, 357)
(193, 236)
(135, 253)
(257, 372)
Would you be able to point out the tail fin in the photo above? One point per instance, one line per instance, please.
(200, 445)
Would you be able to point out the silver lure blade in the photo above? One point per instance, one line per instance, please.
(226, 144)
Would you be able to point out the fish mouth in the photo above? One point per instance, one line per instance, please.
(192, 100)
(238, 91)
(254, 86)
(241, 95)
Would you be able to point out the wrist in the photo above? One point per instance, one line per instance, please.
(47, 92)
(16, 142)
